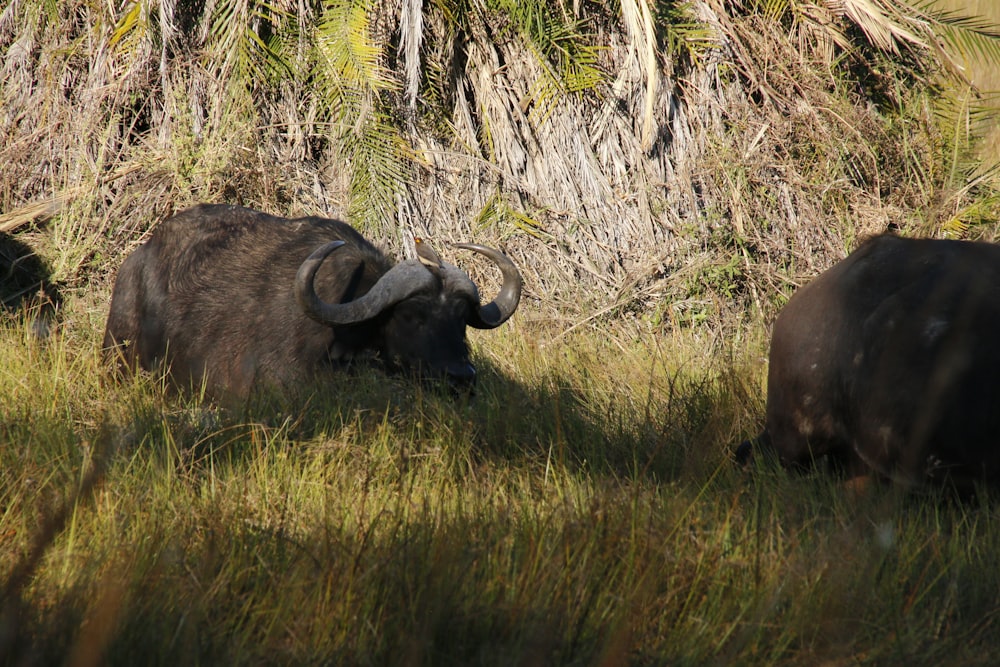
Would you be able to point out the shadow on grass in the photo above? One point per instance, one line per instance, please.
(405, 583)
(683, 427)
(485, 587)
(423, 583)
(410, 577)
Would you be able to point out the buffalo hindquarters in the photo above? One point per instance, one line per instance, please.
(890, 362)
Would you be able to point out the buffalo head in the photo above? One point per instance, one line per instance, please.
(422, 310)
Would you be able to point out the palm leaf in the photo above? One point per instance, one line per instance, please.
(969, 37)
(411, 30)
(357, 89)
(133, 22)
(568, 58)
(687, 38)
(377, 154)
(639, 24)
(237, 37)
(884, 23)
(351, 57)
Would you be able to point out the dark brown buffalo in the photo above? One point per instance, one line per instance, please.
(26, 285)
(890, 362)
(231, 299)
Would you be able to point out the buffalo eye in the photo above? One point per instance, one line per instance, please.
(410, 316)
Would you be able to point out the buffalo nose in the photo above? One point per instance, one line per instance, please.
(461, 373)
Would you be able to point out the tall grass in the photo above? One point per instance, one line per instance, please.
(581, 509)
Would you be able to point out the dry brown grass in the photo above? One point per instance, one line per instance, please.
(764, 166)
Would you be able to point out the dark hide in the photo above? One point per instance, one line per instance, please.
(212, 296)
(25, 285)
(890, 362)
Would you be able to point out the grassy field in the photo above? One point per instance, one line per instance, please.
(581, 509)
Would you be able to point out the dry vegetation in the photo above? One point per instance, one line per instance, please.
(664, 173)
(700, 170)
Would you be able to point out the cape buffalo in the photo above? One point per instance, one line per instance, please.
(26, 285)
(230, 298)
(890, 362)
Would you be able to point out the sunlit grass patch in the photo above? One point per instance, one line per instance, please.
(580, 507)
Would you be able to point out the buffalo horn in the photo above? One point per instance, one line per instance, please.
(400, 282)
(496, 312)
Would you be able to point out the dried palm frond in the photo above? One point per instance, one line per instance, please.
(642, 47)
(24, 215)
(411, 31)
(683, 159)
(883, 23)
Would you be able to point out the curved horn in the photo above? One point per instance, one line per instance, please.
(398, 283)
(496, 312)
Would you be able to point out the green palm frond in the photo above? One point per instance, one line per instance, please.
(131, 28)
(380, 169)
(965, 118)
(498, 214)
(967, 37)
(491, 212)
(242, 39)
(981, 213)
(351, 57)
(685, 38)
(567, 53)
(358, 91)
(39, 14)
(771, 10)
